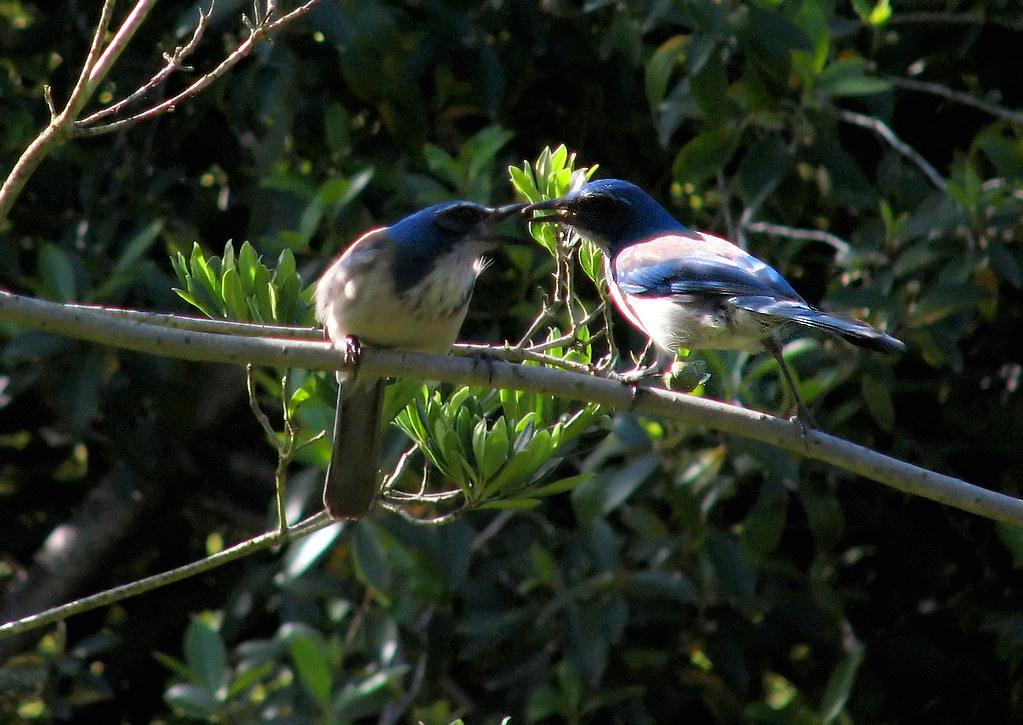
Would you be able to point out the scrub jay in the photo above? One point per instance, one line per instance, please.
(688, 289)
(406, 286)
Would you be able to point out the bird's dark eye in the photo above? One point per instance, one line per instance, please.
(604, 211)
(460, 218)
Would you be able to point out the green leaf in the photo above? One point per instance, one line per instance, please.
(482, 148)
(234, 298)
(174, 665)
(734, 576)
(873, 13)
(840, 684)
(309, 653)
(559, 486)
(762, 530)
(336, 122)
(661, 65)
(138, 245)
(763, 167)
(709, 88)
(249, 266)
(610, 488)
(262, 300)
(205, 654)
(368, 696)
(494, 448)
(1011, 536)
(705, 154)
(512, 504)
(522, 181)
(848, 77)
(305, 552)
(812, 19)
(57, 273)
(202, 272)
(370, 559)
(189, 700)
(769, 38)
(879, 401)
(709, 17)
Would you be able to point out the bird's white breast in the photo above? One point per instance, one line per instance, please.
(357, 296)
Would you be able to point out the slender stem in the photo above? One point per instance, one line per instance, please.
(819, 235)
(883, 130)
(268, 540)
(936, 89)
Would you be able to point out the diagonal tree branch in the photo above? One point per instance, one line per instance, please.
(101, 327)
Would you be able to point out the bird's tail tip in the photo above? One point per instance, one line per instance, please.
(871, 338)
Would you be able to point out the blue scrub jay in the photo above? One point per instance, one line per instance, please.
(406, 286)
(687, 289)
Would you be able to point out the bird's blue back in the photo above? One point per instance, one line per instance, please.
(661, 256)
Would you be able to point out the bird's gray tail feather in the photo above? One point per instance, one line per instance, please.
(351, 483)
(848, 328)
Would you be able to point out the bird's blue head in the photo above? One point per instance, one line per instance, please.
(442, 229)
(611, 213)
(437, 229)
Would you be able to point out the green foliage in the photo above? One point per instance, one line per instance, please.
(242, 289)
(55, 679)
(870, 152)
(497, 462)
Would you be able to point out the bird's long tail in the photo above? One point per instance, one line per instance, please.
(848, 328)
(351, 483)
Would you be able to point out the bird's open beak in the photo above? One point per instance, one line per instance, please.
(485, 231)
(551, 205)
(503, 212)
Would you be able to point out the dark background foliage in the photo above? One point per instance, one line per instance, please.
(696, 575)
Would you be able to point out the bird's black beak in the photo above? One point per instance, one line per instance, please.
(503, 212)
(551, 205)
(485, 231)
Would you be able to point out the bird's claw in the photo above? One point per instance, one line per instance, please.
(352, 353)
(632, 377)
(483, 356)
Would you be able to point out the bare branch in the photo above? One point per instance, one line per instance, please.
(98, 63)
(265, 541)
(79, 95)
(256, 34)
(940, 18)
(817, 235)
(883, 130)
(965, 99)
(174, 63)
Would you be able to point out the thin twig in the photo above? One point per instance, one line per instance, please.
(268, 540)
(257, 33)
(174, 63)
(80, 94)
(817, 235)
(940, 18)
(965, 99)
(883, 130)
(511, 353)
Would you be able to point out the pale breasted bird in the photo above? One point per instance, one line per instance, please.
(406, 286)
(688, 289)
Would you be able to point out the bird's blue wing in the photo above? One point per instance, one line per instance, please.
(696, 274)
(691, 262)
